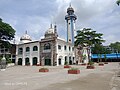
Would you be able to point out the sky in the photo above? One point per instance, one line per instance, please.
(35, 16)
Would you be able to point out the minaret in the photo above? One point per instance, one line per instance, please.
(70, 19)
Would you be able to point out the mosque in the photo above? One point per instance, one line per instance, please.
(51, 50)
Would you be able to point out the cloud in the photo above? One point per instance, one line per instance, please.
(36, 15)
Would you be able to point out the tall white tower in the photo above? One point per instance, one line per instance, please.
(70, 19)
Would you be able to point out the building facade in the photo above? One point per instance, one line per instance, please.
(70, 20)
(51, 50)
(9, 53)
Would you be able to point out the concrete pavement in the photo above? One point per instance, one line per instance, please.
(28, 78)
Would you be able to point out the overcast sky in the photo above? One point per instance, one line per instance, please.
(35, 16)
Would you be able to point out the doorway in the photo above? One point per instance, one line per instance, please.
(48, 62)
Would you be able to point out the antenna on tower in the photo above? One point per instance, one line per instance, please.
(55, 30)
(26, 32)
(55, 27)
(51, 25)
(70, 4)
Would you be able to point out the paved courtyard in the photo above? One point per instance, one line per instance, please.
(28, 78)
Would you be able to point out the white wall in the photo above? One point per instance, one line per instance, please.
(61, 53)
(29, 54)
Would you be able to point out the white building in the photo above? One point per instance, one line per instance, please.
(51, 50)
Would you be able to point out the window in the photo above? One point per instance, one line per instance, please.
(69, 58)
(65, 58)
(47, 46)
(34, 61)
(6, 50)
(20, 50)
(73, 58)
(65, 47)
(72, 48)
(27, 49)
(69, 48)
(35, 48)
(59, 47)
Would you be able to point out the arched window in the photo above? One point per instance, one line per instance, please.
(65, 58)
(65, 48)
(69, 48)
(20, 50)
(34, 60)
(35, 48)
(27, 49)
(20, 61)
(66, 61)
(47, 46)
(27, 62)
(72, 48)
(59, 47)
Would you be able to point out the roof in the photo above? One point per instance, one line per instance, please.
(112, 55)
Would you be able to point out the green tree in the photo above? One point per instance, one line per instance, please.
(115, 47)
(118, 2)
(89, 37)
(100, 49)
(6, 33)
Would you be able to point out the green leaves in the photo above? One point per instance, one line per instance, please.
(88, 36)
(118, 2)
(115, 47)
(6, 31)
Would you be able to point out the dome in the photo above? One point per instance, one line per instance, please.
(25, 38)
(70, 9)
(50, 31)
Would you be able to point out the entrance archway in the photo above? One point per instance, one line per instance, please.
(48, 62)
(59, 61)
(70, 61)
(27, 61)
(34, 61)
(20, 61)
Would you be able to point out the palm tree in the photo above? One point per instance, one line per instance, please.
(118, 2)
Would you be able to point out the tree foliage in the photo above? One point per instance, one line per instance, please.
(89, 37)
(6, 33)
(100, 49)
(115, 47)
(118, 2)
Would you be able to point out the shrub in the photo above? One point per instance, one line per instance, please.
(91, 63)
(43, 68)
(66, 63)
(9, 61)
(73, 68)
(28, 63)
